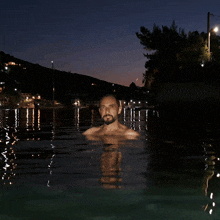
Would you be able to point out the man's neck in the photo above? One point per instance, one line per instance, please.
(111, 127)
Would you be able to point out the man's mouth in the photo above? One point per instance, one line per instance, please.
(106, 116)
(108, 119)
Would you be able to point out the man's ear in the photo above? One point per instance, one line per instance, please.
(119, 110)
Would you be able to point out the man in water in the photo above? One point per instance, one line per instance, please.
(109, 110)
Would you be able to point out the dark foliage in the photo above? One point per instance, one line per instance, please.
(174, 56)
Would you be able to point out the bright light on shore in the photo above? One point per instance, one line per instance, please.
(216, 29)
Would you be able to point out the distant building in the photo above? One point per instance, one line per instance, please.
(12, 65)
(28, 100)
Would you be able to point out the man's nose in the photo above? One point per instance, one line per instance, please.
(107, 109)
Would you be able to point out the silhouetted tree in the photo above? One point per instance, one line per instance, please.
(173, 55)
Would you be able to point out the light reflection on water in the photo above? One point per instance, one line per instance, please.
(176, 160)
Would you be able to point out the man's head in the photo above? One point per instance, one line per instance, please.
(109, 109)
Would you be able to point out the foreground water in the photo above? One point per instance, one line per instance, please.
(49, 170)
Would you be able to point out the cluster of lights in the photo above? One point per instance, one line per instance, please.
(136, 102)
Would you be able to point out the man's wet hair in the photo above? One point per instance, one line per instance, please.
(110, 95)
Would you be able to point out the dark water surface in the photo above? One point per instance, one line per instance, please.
(49, 170)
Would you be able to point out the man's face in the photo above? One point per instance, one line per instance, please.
(109, 110)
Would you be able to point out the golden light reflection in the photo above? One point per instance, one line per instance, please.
(77, 117)
(110, 163)
(146, 116)
(27, 117)
(33, 118)
(131, 118)
(16, 119)
(110, 168)
(133, 114)
(38, 119)
(139, 120)
(92, 116)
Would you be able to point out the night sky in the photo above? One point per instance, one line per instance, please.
(94, 37)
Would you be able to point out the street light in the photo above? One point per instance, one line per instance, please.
(209, 32)
(215, 29)
(53, 81)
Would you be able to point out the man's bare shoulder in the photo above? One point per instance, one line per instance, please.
(130, 132)
(91, 131)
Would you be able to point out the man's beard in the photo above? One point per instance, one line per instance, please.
(108, 121)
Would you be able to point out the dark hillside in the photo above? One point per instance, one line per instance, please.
(33, 78)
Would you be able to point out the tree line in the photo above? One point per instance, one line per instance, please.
(175, 56)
